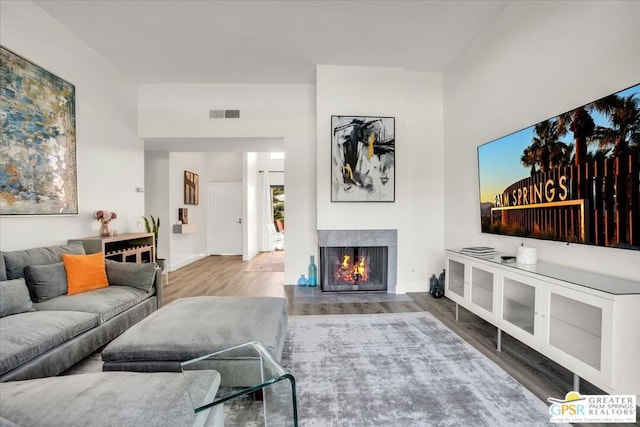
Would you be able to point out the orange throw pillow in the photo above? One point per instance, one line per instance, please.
(85, 272)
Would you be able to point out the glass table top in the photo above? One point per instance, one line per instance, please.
(241, 372)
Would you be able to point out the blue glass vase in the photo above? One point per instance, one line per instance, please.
(302, 280)
(313, 272)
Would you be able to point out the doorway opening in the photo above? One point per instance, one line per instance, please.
(277, 216)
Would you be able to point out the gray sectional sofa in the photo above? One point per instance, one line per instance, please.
(43, 331)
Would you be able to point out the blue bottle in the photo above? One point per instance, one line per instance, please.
(302, 281)
(313, 272)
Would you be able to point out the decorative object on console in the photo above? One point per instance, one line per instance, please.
(527, 255)
(39, 140)
(191, 188)
(480, 251)
(362, 159)
(105, 217)
(183, 216)
(572, 178)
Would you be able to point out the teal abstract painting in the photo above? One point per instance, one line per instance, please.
(38, 174)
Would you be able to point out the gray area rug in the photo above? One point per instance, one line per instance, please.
(399, 370)
(405, 369)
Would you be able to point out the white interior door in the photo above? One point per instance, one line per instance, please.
(225, 218)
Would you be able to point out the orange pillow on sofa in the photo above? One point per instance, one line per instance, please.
(85, 272)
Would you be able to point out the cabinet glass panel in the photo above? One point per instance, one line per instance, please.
(482, 288)
(576, 328)
(518, 304)
(456, 277)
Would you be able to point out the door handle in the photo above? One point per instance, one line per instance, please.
(239, 221)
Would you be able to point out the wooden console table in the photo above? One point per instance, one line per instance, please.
(126, 247)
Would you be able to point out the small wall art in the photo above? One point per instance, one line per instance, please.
(362, 159)
(38, 174)
(191, 188)
(183, 215)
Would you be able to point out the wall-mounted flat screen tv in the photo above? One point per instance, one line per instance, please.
(574, 177)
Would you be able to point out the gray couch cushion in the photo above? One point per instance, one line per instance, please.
(27, 335)
(192, 327)
(14, 297)
(139, 276)
(105, 399)
(106, 302)
(3, 268)
(46, 281)
(16, 261)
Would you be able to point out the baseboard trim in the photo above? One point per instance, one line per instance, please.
(183, 263)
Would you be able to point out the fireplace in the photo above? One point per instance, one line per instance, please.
(357, 260)
(348, 269)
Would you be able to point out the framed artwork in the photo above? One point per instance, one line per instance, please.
(363, 159)
(38, 173)
(183, 215)
(191, 188)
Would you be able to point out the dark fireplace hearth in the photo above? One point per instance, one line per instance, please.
(348, 269)
(358, 260)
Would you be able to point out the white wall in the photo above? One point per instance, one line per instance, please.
(156, 196)
(415, 100)
(223, 166)
(535, 60)
(109, 155)
(187, 247)
(267, 111)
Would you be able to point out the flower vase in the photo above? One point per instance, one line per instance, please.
(104, 229)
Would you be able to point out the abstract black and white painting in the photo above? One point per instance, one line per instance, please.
(362, 159)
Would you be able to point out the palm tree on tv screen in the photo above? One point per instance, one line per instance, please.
(549, 150)
(624, 115)
(581, 124)
(530, 158)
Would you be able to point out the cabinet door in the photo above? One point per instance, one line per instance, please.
(482, 288)
(455, 280)
(579, 332)
(520, 306)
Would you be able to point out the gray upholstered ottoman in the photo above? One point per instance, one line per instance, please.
(192, 327)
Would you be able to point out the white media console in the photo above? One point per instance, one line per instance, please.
(586, 322)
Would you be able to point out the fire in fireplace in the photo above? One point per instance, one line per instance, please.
(352, 271)
(348, 269)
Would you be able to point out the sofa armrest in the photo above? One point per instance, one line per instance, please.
(158, 285)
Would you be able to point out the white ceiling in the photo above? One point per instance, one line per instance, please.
(173, 41)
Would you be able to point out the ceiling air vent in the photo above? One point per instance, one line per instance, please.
(224, 114)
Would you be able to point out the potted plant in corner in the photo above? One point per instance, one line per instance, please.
(152, 225)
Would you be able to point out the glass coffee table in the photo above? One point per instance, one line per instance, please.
(254, 386)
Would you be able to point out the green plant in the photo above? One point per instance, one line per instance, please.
(152, 225)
